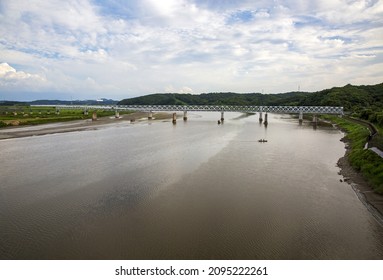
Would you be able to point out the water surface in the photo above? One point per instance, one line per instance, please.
(196, 190)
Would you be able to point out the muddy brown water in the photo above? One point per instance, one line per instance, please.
(194, 190)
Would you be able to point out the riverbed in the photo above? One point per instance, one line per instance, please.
(194, 190)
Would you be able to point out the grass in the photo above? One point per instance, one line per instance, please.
(26, 115)
(363, 160)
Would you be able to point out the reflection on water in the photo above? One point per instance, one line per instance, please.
(196, 190)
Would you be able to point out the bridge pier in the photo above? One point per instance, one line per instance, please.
(174, 118)
(185, 115)
(222, 116)
(265, 122)
(300, 118)
(260, 117)
(94, 116)
(150, 116)
(117, 114)
(315, 121)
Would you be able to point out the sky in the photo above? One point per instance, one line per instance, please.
(90, 49)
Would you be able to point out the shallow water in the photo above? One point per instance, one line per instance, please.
(196, 190)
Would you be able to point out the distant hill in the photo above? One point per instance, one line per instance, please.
(13, 103)
(102, 101)
(352, 98)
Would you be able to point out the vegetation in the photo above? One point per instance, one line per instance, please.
(22, 114)
(363, 160)
(352, 98)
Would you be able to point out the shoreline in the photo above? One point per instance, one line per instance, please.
(73, 126)
(372, 200)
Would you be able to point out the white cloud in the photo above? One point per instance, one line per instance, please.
(183, 89)
(9, 76)
(5, 69)
(139, 47)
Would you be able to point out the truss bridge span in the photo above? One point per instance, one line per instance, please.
(314, 110)
(216, 108)
(234, 108)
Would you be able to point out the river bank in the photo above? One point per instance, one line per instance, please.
(362, 187)
(71, 126)
(372, 200)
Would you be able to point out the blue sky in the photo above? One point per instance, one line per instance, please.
(117, 49)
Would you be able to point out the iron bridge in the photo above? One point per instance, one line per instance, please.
(214, 108)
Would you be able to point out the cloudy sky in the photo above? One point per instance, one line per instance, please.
(124, 48)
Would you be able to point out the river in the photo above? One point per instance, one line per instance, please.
(194, 190)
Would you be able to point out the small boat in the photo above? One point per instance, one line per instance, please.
(262, 140)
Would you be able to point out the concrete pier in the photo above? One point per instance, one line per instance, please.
(174, 118)
(265, 122)
(300, 117)
(222, 116)
(260, 117)
(315, 121)
(150, 116)
(94, 116)
(117, 114)
(185, 115)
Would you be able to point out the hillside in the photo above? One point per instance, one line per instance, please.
(352, 98)
(102, 101)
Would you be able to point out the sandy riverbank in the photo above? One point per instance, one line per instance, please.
(80, 125)
(372, 200)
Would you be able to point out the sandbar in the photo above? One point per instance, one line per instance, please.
(78, 125)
